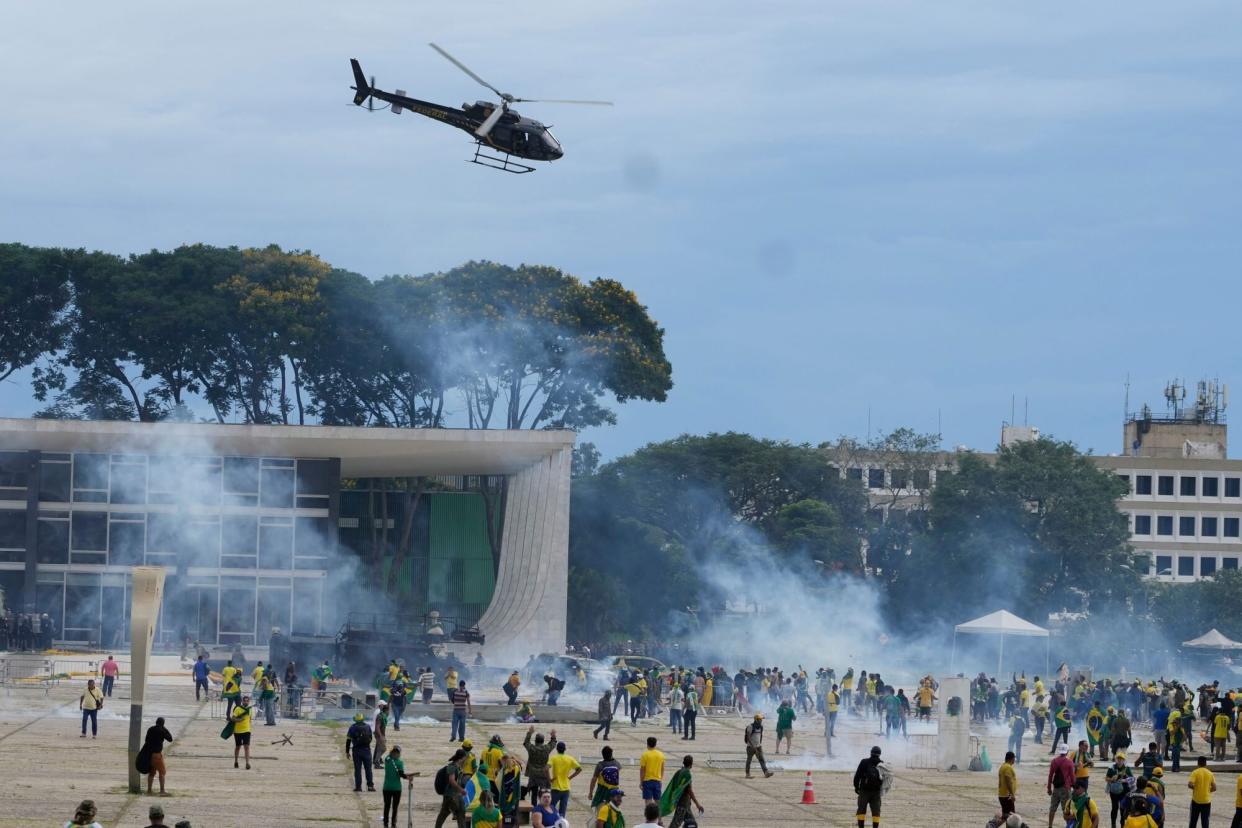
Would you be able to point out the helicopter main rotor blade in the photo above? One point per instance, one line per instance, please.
(560, 100)
(485, 128)
(466, 69)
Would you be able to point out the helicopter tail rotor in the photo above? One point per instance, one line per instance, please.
(362, 89)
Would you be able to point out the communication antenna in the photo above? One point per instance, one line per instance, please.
(1125, 414)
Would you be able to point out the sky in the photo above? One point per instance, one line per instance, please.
(848, 216)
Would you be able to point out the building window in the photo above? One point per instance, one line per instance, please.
(1188, 487)
(1165, 485)
(1186, 526)
(54, 482)
(1207, 527)
(1142, 484)
(1231, 527)
(90, 531)
(1233, 486)
(1186, 567)
(900, 478)
(1164, 564)
(1164, 525)
(922, 479)
(53, 540)
(875, 478)
(1228, 563)
(1142, 524)
(14, 468)
(853, 474)
(1207, 566)
(1126, 478)
(1211, 487)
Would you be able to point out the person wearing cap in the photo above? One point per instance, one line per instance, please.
(394, 772)
(609, 814)
(453, 801)
(155, 814)
(869, 786)
(380, 732)
(1007, 785)
(1060, 785)
(1118, 778)
(358, 739)
(266, 685)
(240, 717)
(84, 816)
(471, 762)
(754, 745)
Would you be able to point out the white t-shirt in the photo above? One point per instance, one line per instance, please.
(72, 824)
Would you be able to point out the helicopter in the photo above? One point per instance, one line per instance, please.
(495, 127)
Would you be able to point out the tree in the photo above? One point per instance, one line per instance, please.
(909, 458)
(1185, 611)
(533, 347)
(1037, 530)
(34, 296)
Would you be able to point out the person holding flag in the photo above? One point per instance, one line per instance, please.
(1095, 725)
(231, 689)
(679, 795)
(492, 758)
(510, 788)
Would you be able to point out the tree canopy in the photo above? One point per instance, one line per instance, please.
(263, 335)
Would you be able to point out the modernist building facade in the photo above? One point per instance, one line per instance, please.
(247, 522)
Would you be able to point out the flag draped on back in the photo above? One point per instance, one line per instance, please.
(475, 785)
(673, 793)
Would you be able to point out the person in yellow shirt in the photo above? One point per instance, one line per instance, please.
(609, 814)
(926, 697)
(493, 757)
(394, 670)
(240, 717)
(1220, 734)
(470, 763)
(257, 673)
(562, 767)
(651, 772)
(1007, 785)
(1202, 785)
(230, 690)
(1081, 808)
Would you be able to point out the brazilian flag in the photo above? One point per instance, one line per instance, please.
(475, 785)
(1095, 724)
(673, 793)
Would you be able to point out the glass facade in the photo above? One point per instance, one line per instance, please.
(242, 538)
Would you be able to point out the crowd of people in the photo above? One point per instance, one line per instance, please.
(26, 631)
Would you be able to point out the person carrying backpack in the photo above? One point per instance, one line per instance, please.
(447, 784)
(869, 785)
(358, 738)
(754, 745)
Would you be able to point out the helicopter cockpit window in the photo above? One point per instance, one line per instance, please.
(550, 141)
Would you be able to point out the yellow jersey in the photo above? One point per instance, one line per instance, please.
(241, 719)
(651, 766)
(1201, 782)
(560, 766)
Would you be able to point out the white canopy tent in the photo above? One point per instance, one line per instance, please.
(1002, 623)
(1213, 639)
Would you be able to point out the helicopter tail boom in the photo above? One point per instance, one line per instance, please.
(361, 87)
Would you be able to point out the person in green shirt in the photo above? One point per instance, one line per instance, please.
(785, 716)
(394, 772)
(485, 814)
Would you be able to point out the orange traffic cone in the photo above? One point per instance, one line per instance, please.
(808, 791)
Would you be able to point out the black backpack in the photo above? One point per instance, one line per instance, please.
(871, 780)
(1138, 804)
(441, 782)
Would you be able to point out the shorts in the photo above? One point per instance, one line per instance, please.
(1060, 796)
(240, 739)
(157, 764)
(651, 789)
(925, 711)
(781, 733)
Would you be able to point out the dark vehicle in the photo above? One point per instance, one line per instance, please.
(366, 643)
(493, 126)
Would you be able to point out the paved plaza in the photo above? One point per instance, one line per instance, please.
(47, 769)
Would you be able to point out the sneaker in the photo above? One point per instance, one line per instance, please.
(766, 774)
(371, 788)
(235, 763)
(247, 766)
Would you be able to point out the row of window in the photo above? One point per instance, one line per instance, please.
(919, 479)
(1186, 565)
(1184, 485)
(122, 539)
(1188, 526)
(135, 479)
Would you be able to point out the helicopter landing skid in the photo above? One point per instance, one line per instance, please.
(506, 164)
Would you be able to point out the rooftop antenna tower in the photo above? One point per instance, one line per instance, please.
(1174, 395)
